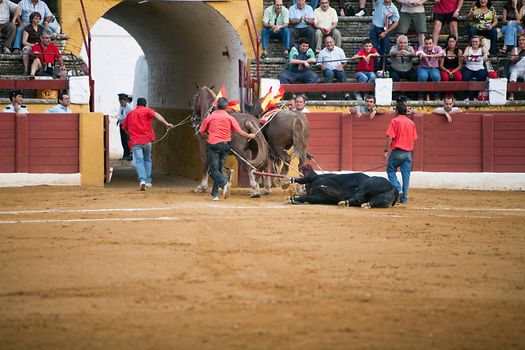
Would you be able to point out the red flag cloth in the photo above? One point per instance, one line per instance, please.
(221, 93)
(266, 99)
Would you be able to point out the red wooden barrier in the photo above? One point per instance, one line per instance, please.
(473, 142)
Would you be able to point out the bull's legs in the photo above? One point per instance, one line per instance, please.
(312, 199)
(383, 200)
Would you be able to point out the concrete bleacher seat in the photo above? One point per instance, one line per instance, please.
(354, 30)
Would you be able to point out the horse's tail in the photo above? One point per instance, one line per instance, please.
(261, 160)
(300, 137)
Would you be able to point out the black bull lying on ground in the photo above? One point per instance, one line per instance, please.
(354, 190)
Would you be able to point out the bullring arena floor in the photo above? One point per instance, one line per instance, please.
(116, 268)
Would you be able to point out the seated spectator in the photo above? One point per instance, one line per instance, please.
(313, 3)
(332, 60)
(413, 11)
(16, 105)
(8, 17)
(275, 25)
(451, 64)
(384, 21)
(302, 21)
(63, 104)
(299, 68)
(362, 10)
(446, 11)
(364, 71)
(30, 38)
(517, 62)
(483, 22)
(448, 108)
(46, 53)
(474, 57)
(369, 107)
(26, 8)
(428, 69)
(300, 102)
(511, 20)
(325, 22)
(401, 60)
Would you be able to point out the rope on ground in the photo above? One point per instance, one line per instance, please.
(182, 122)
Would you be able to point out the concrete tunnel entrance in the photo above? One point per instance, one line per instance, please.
(184, 43)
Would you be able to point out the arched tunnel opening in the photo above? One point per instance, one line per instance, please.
(185, 44)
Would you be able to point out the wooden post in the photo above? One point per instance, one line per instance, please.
(487, 143)
(22, 144)
(346, 142)
(418, 153)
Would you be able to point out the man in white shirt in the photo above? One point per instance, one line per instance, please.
(9, 13)
(325, 22)
(332, 60)
(448, 108)
(16, 105)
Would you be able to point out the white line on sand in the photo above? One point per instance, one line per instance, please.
(164, 218)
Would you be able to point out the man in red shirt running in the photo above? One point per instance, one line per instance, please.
(46, 53)
(138, 125)
(219, 126)
(400, 137)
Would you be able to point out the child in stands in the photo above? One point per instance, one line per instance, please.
(364, 71)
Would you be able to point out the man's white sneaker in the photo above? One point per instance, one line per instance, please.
(214, 198)
(142, 186)
(226, 190)
(148, 185)
(360, 13)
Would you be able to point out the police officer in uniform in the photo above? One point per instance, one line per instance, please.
(16, 105)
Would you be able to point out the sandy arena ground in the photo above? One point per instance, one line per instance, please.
(116, 268)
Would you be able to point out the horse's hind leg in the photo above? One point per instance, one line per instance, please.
(254, 186)
(203, 186)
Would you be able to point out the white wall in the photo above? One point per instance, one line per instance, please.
(118, 65)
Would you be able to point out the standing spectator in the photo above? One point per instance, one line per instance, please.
(474, 57)
(511, 20)
(26, 8)
(300, 102)
(364, 71)
(400, 137)
(446, 11)
(448, 108)
(299, 68)
(46, 53)
(369, 107)
(362, 11)
(517, 62)
(16, 105)
(428, 69)
(302, 20)
(9, 14)
(63, 104)
(401, 60)
(219, 125)
(325, 22)
(30, 38)
(123, 110)
(451, 64)
(483, 22)
(384, 21)
(275, 25)
(332, 60)
(141, 135)
(413, 11)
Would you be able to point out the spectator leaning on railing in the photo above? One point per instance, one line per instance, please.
(483, 22)
(364, 72)
(448, 108)
(299, 68)
(275, 25)
(474, 57)
(332, 60)
(511, 19)
(451, 64)
(401, 60)
(428, 69)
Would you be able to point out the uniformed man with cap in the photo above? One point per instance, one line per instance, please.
(124, 109)
(16, 106)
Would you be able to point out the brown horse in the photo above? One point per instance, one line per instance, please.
(202, 107)
(285, 130)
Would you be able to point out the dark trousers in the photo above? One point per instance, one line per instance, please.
(381, 45)
(217, 155)
(124, 138)
(470, 75)
(489, 34)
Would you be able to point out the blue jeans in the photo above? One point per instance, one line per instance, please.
(329, 75)
(306, 76)
(511, 30)
(403, 160)
(17, 44)
(489, 34)
(366, 77)
(142, 156)
(382, 45)
(424, 74)
(217, 155)
(283, 34)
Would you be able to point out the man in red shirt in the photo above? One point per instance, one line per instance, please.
(400, 137)
(138, 125)
(219, 126)
(46, 53)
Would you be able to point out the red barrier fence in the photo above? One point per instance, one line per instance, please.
(473, 142)
(39, 143)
